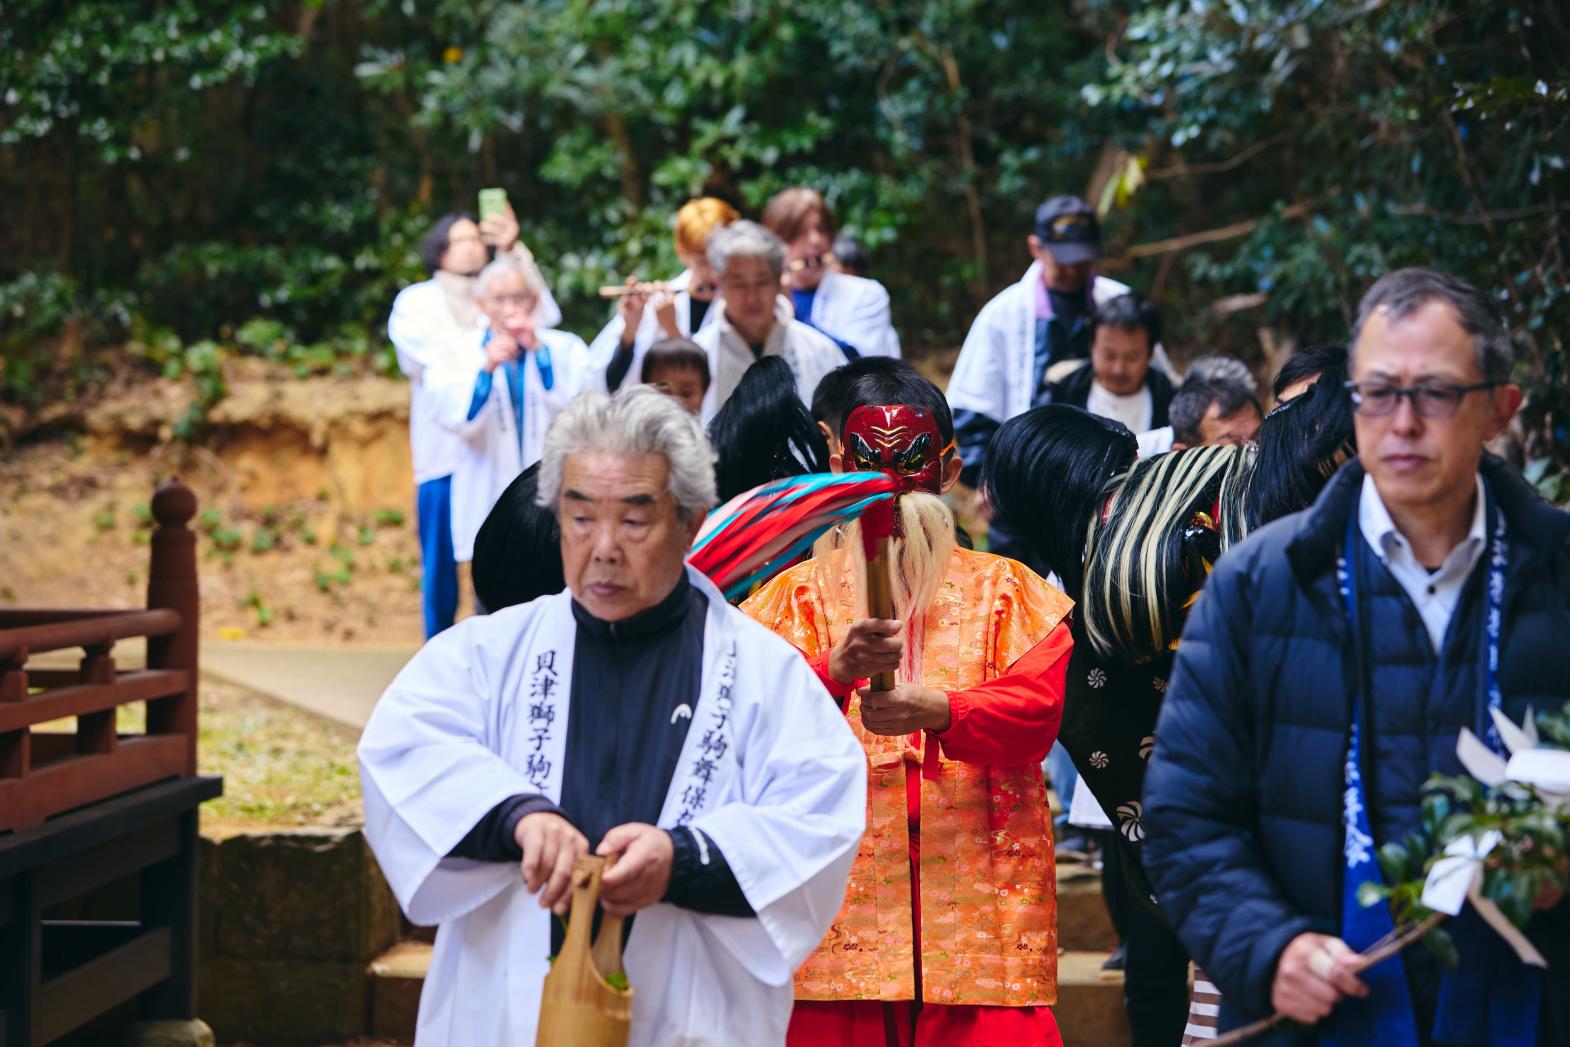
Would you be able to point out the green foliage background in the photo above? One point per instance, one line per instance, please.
(181, 181)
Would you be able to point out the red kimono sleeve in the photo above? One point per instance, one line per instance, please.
(1012, 719)
(838, 691)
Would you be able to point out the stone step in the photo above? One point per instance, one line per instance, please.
(396, 977)
(1089, 1009)
(1083, 923)
(1090, 1002)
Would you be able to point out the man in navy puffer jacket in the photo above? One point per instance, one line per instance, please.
(1259, 825)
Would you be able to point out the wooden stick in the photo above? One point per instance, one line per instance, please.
(877, 536)
(880, 601)
(1378, 953)
(606, 950)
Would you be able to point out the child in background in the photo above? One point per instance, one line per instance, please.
(679, 368)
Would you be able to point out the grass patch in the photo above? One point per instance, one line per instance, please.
(282, 766)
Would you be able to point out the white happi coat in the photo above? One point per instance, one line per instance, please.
(649, 330)
(995, 374)
(769, 772)
(855, 310)
(489, 456)
(428, 337)
(810, 353)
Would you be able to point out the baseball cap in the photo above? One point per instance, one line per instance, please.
(1067, 227)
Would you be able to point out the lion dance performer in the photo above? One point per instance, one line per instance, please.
(948, 933)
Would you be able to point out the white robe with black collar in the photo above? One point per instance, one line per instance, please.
(769, 772)
(810, 353)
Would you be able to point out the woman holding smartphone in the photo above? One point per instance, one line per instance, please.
(430, 323)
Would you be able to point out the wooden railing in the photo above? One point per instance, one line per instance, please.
(45, 773)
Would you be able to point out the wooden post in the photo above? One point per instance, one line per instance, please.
(877, 535)
(16, 749)
(168, 899)
(21, 956)
(95, 732)
(171, 583)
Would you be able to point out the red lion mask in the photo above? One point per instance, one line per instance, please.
(900, 440)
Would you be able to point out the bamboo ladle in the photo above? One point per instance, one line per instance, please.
(578, 1007)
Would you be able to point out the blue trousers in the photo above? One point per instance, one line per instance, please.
(1060, 770)
(438, 569)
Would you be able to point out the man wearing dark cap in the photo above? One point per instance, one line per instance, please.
(1042, 320)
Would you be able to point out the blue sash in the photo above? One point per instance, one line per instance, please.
(512, 372)
(1385, 1017)
(1490, 998)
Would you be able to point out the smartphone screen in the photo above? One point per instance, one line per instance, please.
(492, 202)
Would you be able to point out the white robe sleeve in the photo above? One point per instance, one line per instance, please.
(451, 386)
(981, 376)
(429, 773)
(815, 355)
(604, 345)
(792, 838)
(586, 377)
(413, 328)
(871, 325)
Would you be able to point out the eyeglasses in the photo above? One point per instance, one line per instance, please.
(1429, 400)
(517, 301)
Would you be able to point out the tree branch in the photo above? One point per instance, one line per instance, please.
(1464, 165)
(1183, 170)
(1485, 218)
(1208, 236)
(944, 58)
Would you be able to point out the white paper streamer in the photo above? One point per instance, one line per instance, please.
(1504, 928)
(1515, 738)
(1454, 876)
(1458, 877)
(1480, 761)
(1546, 770)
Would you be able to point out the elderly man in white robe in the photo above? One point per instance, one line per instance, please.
(1027, 330)
(1030, 326)
(636, 714)
(755, 319)
(499, 391)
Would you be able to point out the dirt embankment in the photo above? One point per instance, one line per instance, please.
(305, 493)
(306, 506)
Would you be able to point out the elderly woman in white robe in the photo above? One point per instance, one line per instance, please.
(755, 319)
(499, 391)
(637, 714)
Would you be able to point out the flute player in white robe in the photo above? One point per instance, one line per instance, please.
(635, 713)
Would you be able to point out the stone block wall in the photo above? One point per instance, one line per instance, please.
(289, 923)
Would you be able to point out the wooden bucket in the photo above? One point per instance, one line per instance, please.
(578, 1008)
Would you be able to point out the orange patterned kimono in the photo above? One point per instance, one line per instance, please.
(988, 905)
